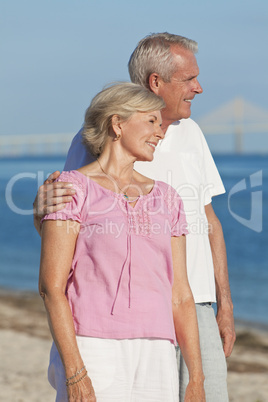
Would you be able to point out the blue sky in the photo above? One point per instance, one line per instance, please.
(56, 54)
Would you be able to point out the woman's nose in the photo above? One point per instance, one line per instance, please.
(160, 133)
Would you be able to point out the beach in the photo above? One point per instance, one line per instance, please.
(25, 343)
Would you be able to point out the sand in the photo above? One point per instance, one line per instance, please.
(25, 343)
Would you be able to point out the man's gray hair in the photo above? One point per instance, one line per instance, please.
(153, 55)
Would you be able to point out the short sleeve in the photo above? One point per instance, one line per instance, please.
(176, 209)
(211, 178)
(73, 209)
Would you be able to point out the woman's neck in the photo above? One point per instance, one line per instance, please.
(118, 166)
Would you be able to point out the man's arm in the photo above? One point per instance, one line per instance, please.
(225, 318)
(51, 197)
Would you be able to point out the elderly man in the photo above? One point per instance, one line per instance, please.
(166, 64)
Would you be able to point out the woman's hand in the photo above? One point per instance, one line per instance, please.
(185, 321)
(82, 391)
(195, 392)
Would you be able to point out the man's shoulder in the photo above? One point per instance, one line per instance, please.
(183, 132)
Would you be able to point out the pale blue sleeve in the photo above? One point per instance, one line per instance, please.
(77, 155)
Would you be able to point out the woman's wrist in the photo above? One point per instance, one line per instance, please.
(76, 377)
(74, 369)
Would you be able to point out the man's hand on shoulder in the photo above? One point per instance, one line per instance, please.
(51, 197)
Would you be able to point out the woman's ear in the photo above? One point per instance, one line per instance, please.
(116, 124)
(154, 82)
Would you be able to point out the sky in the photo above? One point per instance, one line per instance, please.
(57, 54)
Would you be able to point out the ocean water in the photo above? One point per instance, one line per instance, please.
(243, 211)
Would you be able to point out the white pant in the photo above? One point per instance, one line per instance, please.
(128, 370)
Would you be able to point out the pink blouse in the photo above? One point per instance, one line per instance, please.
(120, 283)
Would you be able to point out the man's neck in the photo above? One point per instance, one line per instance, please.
(166, 124)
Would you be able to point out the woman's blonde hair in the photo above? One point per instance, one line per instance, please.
(122, 99)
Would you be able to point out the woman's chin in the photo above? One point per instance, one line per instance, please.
(145, 158)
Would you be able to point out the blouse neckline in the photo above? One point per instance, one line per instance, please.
(118, 195)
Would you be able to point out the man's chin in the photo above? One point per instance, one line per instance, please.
(186, 114)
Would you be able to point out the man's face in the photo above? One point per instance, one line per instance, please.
(182, 88)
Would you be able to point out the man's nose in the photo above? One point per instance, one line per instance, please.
(198, 89)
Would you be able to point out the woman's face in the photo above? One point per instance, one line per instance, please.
(141, 133)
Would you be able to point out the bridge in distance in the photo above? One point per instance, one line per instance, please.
(236, 118)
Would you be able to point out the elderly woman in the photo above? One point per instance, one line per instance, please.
(113, 273)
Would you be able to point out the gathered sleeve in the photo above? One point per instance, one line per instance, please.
(176, 210)
(73, 209)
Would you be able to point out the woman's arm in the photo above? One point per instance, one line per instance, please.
(57, 250)
(185, 322)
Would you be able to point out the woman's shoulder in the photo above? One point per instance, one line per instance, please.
(170, 195)
(165, 188)
(160, 187)
(81, 175)
(76, 178)
(88, 169)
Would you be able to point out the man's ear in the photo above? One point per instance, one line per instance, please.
(116, 124)
(154, 82)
